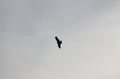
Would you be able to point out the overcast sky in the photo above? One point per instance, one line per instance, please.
(89, 29)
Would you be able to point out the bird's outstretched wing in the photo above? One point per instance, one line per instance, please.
(57, 39)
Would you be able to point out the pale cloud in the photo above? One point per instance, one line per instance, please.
(89, 30)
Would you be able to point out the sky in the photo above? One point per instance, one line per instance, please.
(89, 30)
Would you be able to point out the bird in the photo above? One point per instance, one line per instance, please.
(59, 42)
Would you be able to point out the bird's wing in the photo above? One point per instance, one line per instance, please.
(56, 38)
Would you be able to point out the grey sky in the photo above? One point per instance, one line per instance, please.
(90, 30)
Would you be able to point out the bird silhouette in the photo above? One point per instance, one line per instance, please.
(59, 42)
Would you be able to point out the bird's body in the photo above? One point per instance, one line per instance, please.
(58, 41)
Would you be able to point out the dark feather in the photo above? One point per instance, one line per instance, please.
(57, 38)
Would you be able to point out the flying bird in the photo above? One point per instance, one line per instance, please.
(59, 42)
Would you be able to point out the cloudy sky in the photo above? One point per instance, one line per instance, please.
(90, 30)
